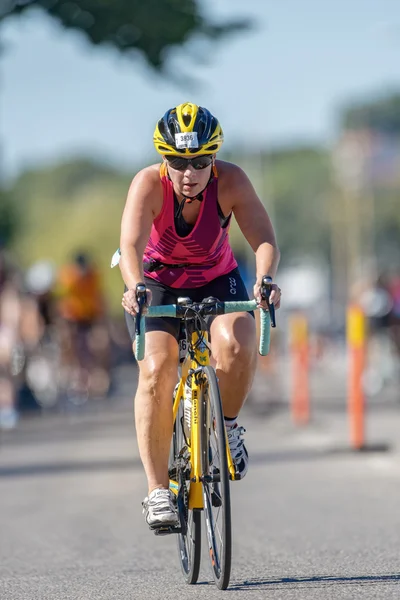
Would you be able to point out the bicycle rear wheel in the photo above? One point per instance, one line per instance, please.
(216, 492)
(189, 541)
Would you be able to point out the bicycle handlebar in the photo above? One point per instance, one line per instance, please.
(217, 308)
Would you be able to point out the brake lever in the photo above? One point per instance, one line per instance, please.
(266, 289)
(141, 298)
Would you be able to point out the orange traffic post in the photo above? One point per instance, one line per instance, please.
(300, 392)
(356, 343)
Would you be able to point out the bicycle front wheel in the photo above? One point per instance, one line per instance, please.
(189, 540)
(216, 492)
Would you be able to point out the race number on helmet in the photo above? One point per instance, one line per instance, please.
(188, 130)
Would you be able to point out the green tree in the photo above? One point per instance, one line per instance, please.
(381, 113)
(9, 218)
(296, 184)
(69, 206)
(150, 27)
(300, 181)
(79, 204)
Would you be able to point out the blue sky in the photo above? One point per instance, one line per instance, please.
(282, 82)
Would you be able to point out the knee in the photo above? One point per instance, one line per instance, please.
(158, 374)
(235, 353)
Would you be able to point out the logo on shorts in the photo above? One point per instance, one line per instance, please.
(232, 285)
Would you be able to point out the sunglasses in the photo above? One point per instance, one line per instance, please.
(181, 164)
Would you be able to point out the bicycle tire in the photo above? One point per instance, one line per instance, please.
(216, 495)
(189, 541)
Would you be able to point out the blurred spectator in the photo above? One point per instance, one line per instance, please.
(378, 300)
(39, 335)
(10, 312)
(394, 318)
(40, 280)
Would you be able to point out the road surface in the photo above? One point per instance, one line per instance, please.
(312, 520)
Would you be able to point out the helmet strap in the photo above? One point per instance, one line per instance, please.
(199, 196)
(187, 200)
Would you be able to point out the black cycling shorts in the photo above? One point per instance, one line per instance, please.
(227, 288)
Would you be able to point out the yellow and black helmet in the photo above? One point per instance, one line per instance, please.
(188, 130)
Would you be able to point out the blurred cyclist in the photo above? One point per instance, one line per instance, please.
(174, 237)
(85, 341)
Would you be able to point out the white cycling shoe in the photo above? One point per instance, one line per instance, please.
(238, 450)
(160, 509)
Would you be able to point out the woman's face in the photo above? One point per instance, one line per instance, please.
(187, 180)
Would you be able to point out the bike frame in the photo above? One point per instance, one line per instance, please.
(191, 367)
(197, 357)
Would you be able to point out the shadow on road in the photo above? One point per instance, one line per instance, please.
(313, 582)
(308, 454)
(57, 468)
(320, 406)
(283, 456)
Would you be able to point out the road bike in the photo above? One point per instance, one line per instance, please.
(201, 465)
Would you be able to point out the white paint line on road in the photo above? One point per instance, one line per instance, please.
(387, 465)
(314, 440)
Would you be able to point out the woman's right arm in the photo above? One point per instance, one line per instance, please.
(141, 208)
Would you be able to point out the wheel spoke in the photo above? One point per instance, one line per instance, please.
(189, 543)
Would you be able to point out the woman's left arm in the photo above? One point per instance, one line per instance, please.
(257, 228)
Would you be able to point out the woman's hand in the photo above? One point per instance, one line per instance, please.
(130, 303)
(274, 297)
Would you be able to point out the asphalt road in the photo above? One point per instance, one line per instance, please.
(312, 520)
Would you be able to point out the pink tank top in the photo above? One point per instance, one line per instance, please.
(205, 252)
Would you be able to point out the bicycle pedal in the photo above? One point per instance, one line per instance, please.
(167, 530)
